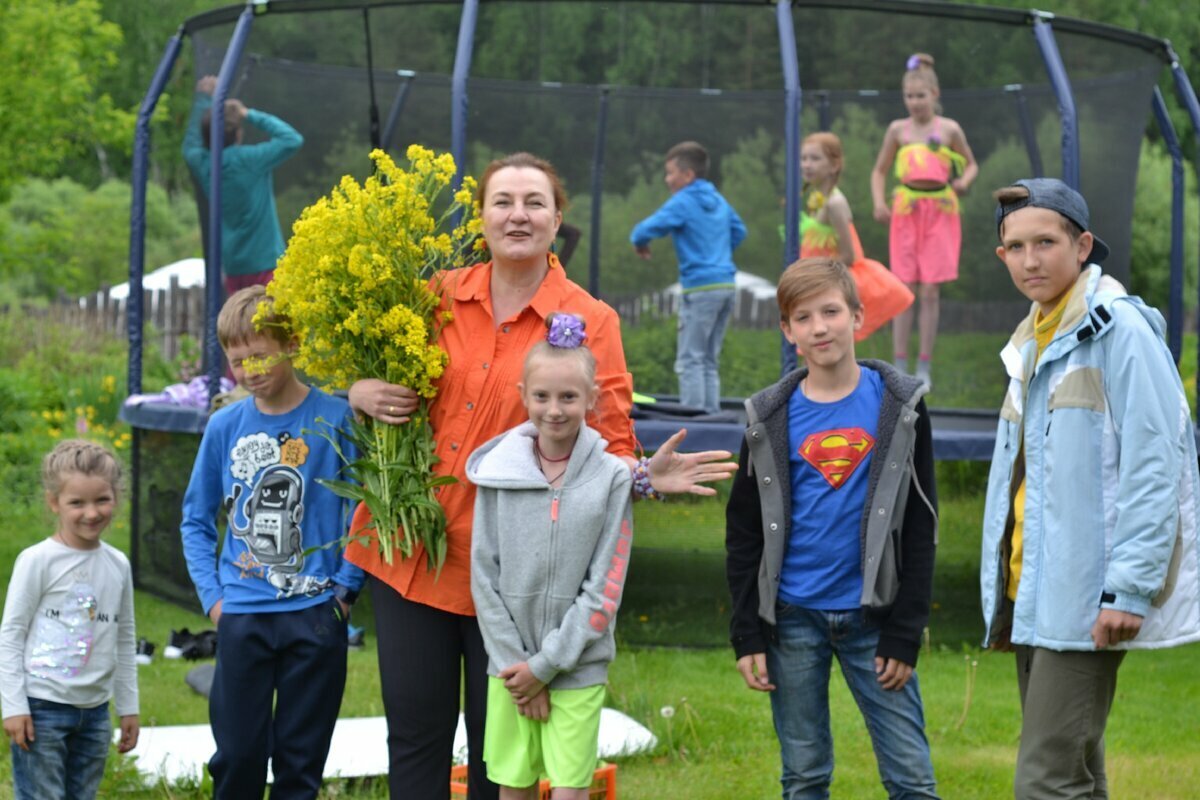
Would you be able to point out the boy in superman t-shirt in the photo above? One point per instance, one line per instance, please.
(830, 535)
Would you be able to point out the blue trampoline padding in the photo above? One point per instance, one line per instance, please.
(957, 435)
(165, 417)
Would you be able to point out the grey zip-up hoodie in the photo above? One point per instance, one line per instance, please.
(548, 565)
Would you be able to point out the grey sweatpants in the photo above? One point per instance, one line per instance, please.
(1065, 700)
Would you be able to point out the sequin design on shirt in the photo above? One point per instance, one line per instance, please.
(62, 638)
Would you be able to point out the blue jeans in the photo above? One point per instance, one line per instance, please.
(799, 665)
(703, 317)
(66, 759)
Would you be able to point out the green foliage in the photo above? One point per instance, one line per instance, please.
(54, 56)
(1151, 244)
(60, 236)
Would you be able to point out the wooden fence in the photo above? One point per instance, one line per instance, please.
(748, 311)
(976, 316)
(168, 315)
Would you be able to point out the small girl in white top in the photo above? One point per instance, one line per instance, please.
(67, 637)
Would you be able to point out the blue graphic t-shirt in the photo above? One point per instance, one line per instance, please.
(830, 447)
(263, 470)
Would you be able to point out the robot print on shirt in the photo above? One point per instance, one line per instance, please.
(837, 453)
(270, 518)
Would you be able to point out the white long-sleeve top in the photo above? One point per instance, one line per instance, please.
(68, 630)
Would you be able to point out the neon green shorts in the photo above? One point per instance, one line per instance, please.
(519, 751)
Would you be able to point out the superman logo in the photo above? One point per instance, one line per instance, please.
(837, 453)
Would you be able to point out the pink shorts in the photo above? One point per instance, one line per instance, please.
(925, 238)
(235, 282)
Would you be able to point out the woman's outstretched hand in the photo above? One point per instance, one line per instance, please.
(386, 402)
(683, 473)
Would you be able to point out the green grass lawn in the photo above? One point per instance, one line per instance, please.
(673, 625)
(720, 744)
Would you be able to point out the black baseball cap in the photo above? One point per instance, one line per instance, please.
(1053, 194)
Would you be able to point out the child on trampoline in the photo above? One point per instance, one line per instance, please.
(830, 535)
(67, 639)
(549, 555)
(827, 230)
(934, 165)
(706, 230)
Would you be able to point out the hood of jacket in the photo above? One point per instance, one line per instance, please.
(508, 461)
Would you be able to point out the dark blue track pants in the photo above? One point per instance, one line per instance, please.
(294, 664)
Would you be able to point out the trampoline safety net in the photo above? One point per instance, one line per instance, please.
(614, 85)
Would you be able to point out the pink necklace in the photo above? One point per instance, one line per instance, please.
(537, 448)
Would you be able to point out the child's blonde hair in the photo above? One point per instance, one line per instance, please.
(235, 323)
(79, 457)
(810, 276)
(920, 68)
(545, 350)
(831, 146)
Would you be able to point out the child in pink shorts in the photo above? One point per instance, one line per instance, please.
(934, 165)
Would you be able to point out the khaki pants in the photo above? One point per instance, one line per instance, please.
(1065, 700)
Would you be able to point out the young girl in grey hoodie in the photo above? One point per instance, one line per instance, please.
(549, 554)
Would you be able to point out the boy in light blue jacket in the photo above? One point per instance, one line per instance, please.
(706, 230)
(1090, 525)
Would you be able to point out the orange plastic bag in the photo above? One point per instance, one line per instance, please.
(883, 295)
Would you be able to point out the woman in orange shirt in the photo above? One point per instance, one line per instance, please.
(425, 624)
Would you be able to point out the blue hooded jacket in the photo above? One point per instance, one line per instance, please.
(705, 229)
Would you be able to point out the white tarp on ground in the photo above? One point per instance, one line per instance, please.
(359, 748)
(190, 272)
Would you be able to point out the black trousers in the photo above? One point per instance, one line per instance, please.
(424, 654)
(294, 664)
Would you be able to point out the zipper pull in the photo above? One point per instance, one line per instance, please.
(554, 509)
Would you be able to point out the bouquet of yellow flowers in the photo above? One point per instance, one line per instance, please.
(359, 283)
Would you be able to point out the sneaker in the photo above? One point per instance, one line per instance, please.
(356, 637)
(202, 645)
(145, 651)
(923, 376)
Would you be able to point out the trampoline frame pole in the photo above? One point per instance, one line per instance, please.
(373, 112)
(458, 88)
(1028, 135)
(134, 306)
(1175, 298)
(597, 193)
(216, 140)
(1043, 32)
(791, 137)
(389, 131)
(1187, 96)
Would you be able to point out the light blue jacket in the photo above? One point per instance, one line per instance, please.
(1111, 479)
(705, 229)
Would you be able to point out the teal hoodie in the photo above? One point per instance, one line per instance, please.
(548, 565)
(251, 240)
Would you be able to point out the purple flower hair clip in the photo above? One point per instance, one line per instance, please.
(566, 331)
(914, 61)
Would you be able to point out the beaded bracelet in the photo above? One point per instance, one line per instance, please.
(641, 481)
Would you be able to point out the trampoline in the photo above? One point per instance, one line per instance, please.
(603, 89)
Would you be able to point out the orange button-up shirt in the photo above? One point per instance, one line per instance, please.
(477, 400)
